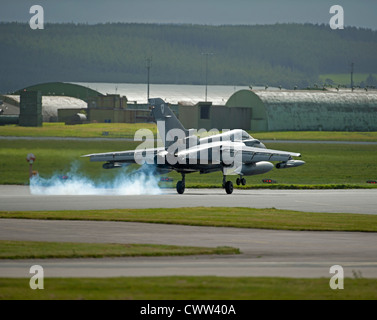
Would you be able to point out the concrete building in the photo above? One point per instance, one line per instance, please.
(204, 115)
(112, 108)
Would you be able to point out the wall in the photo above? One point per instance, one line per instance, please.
(258, 118)
(119, 115)
(110, 101)
(188, 116)
(65, 115)
(30, 109)
(220, 117)
(316, 111)
(223, 117)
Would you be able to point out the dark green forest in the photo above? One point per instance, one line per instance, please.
(282, 54)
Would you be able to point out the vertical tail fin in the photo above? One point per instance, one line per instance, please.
(168, 125)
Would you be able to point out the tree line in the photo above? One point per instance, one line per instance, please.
(286, 55)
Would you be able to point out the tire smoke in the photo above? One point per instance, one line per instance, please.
(74, 183)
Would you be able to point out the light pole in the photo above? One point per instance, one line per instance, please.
(148, 64)
(206, 54)
(30, 158)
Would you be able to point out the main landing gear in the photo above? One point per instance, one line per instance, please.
(181, 185)
(227, 185)
(240, 180)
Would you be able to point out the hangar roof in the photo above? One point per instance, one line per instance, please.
(341, 98)
(171, 93)
(304, 98)
(51, 104)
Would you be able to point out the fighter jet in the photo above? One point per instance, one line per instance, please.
(233, 152)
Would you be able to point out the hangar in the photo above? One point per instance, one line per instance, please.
(256, 110)
(309, 110)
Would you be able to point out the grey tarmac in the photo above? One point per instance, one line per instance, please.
(264, 252)
(18, 198)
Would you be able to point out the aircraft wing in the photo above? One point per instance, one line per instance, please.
(117, 156)
(249, 154)
(128, 156)
(252, 154)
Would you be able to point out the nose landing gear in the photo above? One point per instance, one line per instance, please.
(227, 185)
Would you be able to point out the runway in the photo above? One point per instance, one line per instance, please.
(264, 252)
(18, 198)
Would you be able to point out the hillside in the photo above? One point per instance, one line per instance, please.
(281, 54)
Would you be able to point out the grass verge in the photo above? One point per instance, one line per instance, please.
(217, 217)
(46, 250)
(127, 130)
(91, 130)
(317, 136)
(279, 186)
(188, 288)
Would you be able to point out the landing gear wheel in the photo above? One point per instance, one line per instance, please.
(229, 187)
(180, 187)
(238, 181)
(243, 181)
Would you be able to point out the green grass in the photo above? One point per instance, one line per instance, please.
(121, 130)
(46, 250)
(280, 186)
(188, 288)
(91, 130)
(317, 136)
(345, 78)
(326, 164)
(54, 157)
(218, 217)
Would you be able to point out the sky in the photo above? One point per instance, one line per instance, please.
(360, 13)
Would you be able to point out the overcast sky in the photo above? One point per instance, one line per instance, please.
(359, 13)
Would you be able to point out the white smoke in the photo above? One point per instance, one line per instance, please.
(74, 183)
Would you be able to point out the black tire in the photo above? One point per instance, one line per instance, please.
(243, 181)
(238, 181)
(229, 187)
(180, 187)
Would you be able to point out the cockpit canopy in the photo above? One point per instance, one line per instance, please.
(249, 141)
(236, 135)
